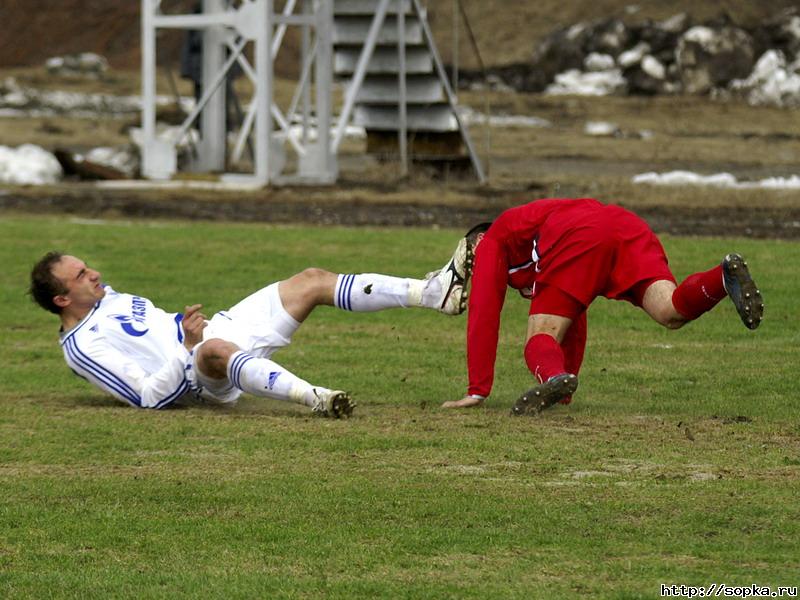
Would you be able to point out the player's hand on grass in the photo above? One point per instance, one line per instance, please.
(465, 402)
(193, 324)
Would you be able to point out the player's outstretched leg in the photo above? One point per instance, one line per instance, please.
(742, 290)
(333, 403)
(546, 394)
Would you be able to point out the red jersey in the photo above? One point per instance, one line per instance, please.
(584, 248)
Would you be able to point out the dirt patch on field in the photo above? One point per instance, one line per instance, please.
(355, 208)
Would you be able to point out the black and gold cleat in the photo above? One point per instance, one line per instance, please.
(454, 277)
(334, 404)
(742, 290)
(545, 395)
(342, 406)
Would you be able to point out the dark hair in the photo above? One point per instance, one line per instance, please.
(44, 285)
(473, 233)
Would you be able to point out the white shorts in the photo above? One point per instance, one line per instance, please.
(258, 325)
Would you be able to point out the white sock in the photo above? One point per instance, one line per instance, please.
(263, 377)
(369, 292)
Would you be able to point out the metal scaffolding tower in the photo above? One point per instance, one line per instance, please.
(229, 27)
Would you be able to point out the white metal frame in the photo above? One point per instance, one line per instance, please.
(227, 29)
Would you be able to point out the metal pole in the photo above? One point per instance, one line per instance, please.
(148, 71)
(323, 78)
(212, 143)
(455, 47)
(303, 90)
(263, 91)
(402, 133)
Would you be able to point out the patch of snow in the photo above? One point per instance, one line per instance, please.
(725, 180)
(28, 165)
(653, 67)
(601, 128)
(595, 62)
(120, 159)
(699, 34)
(633, 56)
(772, 82)
(576, 31)
(793, 27)
(473, 117)
(601, 83)
(85, 63)
(16, 100)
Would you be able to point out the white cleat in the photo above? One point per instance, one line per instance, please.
(454, 277)
(333, 403)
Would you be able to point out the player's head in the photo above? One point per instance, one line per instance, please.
(475, 235)
(60, 280)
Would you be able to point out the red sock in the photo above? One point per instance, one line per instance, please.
(574, 345)
(699, 293)
(544, 357)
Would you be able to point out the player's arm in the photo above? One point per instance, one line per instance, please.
(112, 371)
(483, 321)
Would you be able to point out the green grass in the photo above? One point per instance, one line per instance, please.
(678, 461)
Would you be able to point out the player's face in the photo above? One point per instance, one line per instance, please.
(83, 284)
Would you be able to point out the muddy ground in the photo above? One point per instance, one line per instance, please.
(314, 206)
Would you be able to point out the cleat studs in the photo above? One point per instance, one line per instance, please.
(746, 309)
(747, 295)
(734, 266)
(758, 292)
(537, 393)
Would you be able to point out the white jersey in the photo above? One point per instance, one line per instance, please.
(130, 348)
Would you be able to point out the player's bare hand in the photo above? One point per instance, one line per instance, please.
(465, 402)
(193, 324)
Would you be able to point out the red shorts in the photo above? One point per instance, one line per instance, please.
(549, 300)
(611, 253)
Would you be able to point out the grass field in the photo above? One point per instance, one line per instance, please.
(677, 463)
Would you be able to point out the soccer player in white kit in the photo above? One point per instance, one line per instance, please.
(150, 358)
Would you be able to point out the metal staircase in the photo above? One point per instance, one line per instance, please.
(383, 49)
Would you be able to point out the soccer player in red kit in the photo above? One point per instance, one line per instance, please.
(562, 254)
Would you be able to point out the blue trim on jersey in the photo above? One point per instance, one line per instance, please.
(83, 322)
(116, 384)
(182, 389)
(178, 320)
(106, 377)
